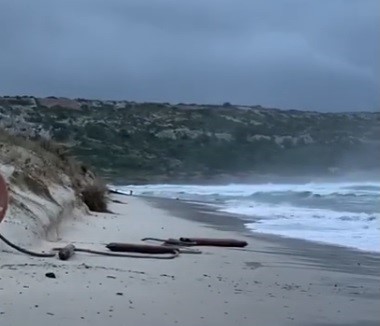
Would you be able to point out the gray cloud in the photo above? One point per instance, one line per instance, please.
(305, 54)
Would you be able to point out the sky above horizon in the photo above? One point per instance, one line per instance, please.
(290, 54)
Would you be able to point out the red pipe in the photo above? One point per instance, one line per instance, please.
(147, 249)
(4, 197)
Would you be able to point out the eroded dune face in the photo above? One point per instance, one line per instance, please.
(39, 187)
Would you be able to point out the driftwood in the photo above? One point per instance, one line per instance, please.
(111, 191)
(66, 252)
(118, 192)
(213, 242)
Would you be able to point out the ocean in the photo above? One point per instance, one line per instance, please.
(345, 214)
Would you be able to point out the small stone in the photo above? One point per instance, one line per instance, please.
(50, 275)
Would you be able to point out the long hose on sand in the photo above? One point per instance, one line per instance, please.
(112, 254)
(172, 255)
(25, 251)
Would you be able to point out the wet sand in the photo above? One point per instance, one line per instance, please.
(274, 281)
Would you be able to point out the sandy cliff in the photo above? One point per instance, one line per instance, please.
(44, 189)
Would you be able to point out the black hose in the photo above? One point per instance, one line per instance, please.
(172, 242)
(96, 252)
(112, 254)
(153, 239)
(25, 251)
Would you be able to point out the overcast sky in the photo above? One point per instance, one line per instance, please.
(308, 54)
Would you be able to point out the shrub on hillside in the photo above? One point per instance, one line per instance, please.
(95, 197)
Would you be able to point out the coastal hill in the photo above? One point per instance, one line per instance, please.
(162, 141)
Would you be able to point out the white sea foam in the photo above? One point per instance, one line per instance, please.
(357, 230)
(346, 214)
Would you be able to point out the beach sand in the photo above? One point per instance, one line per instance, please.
(273, 281)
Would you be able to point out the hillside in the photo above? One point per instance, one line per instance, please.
(160, 141)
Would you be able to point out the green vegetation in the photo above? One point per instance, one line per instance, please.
(95, 196)
(154, 141)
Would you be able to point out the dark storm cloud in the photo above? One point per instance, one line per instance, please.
(302, 54)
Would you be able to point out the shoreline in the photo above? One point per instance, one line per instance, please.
(267, 283)
(337, 214)
(235, 222)
(344, 259)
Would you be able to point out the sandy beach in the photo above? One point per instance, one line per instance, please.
(274, 281)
